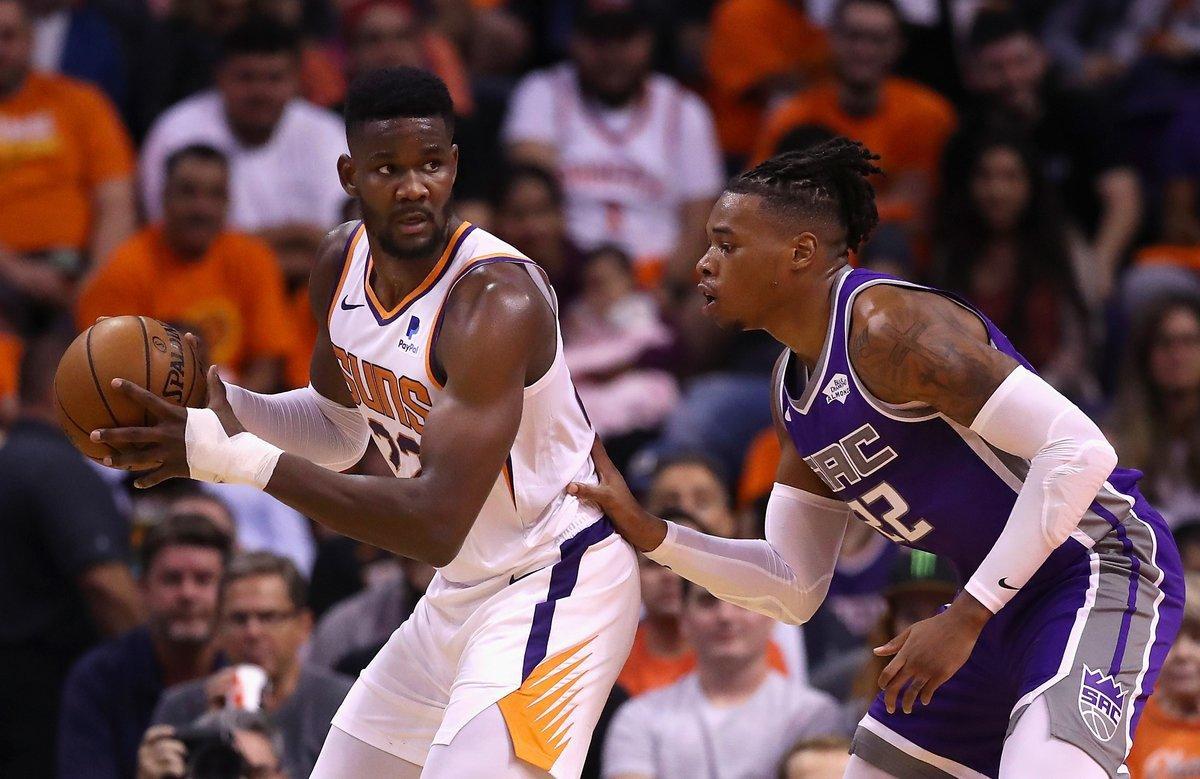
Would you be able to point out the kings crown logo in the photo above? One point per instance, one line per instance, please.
(837, 389)
(1101, 702)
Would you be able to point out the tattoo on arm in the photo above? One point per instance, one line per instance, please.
(916, 346)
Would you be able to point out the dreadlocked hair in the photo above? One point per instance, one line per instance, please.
(827, 178)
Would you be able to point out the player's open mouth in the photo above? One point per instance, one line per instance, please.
(709, 298)
(411, 224)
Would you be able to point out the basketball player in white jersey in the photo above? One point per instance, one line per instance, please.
(440, 343)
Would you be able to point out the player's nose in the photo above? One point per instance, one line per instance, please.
(411, 187)
(704, 265)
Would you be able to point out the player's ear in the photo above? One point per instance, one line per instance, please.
(345, 167)
(804, 250)
(454, 158)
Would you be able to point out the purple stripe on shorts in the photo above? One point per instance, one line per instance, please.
(1135, 567)
(563, 577)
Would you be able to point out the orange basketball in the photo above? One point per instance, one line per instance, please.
(139, 349)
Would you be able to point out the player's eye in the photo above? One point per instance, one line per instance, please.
(385, 170)
(724, 248)
(433, 166)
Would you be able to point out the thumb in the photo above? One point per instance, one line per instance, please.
(593, 492)
(216, 388)
(893, 646)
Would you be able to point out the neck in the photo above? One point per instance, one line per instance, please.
(806, 335)
(1181, 408)
(860, 99)
(250, 136)
(731, 683)
(182, 662)
(663, 636)
(181, 250)
(1185, 707)
(394, 277)
(10, 88)
(283, 684)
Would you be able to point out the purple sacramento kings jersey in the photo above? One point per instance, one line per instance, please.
(914, 475)
(1087, 634)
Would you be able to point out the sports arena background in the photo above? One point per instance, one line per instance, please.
(176, 158)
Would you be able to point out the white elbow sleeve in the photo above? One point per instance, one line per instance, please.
(786, 576)
(1069, 460)
(305, 423)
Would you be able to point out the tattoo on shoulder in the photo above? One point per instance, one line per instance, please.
(927, 356)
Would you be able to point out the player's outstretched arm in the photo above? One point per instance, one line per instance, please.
(786, 576)
(918, 346)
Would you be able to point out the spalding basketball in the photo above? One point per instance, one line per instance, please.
(139, 349)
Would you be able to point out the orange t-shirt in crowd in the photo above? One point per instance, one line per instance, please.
(232, 297)
(304, 327)
(749, 42)
(645, 671)
(10, 365)
(1170, 254)
(1164, 747)
(59, 140)
(908, 132)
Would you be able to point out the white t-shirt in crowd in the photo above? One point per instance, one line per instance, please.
(626, 171)
(676, 732)
(292, 178)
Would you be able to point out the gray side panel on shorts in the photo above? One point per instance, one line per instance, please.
(1101, 640)
(885, 757)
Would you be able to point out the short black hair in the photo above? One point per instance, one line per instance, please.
(829, 179)
(389, 93)
(195, 530)
(518, 172)
(250, 564)
(199, 151)
(995, 24)
(890, 5)
(260, 35)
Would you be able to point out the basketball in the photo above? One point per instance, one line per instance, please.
(144, 351)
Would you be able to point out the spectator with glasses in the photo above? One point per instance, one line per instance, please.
(263, 620)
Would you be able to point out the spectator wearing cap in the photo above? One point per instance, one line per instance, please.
(263, 620)
(919, 584)
(66, 184)
(111, 692)
(905, 123)
(192, 270)
(703, 724)
(280, 147)
(1008, 73)
(65, 579)
(636, 152)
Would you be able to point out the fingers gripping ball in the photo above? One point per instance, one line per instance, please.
(139, 349)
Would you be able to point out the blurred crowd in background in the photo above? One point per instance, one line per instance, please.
(176, 158)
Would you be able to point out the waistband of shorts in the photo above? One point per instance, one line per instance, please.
(586, 530)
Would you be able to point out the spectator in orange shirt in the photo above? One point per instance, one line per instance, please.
(758, 51)
(905, 123)
(224, 286)
(1167, 744)
(66, 179)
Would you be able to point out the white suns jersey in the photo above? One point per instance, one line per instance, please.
(386, 359)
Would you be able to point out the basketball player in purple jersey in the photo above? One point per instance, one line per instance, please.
(905, 408)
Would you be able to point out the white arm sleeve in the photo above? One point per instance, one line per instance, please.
(305, 423)
(1069, 460)
(785, 576)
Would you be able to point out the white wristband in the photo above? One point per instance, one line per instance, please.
(213, 456)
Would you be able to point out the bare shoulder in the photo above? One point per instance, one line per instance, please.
(327, 268)
(912, 345)
(497, 314)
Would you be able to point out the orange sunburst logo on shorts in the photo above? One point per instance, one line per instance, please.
(538, 713)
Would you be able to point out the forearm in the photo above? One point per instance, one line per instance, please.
(1122, 213)
(1069, 461)
(304, 423)
(112, 598)
(116, 219)
(785, 577)
(407, 517)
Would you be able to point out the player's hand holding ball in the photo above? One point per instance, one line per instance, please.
(929, 652)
